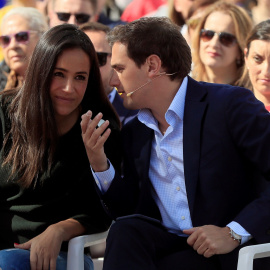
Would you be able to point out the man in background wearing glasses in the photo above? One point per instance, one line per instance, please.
(78, 12)
(97, 32)
(72, 11)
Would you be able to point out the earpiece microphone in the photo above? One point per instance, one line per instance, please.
(160, 74)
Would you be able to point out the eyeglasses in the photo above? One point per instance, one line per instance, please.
(80, 17)
(20, 37)
(102, 58)
(224, 38)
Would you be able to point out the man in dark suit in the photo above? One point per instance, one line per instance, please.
(189, 198)
(97, 32)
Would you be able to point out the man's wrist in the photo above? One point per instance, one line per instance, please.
(101, 168)
(235, 236)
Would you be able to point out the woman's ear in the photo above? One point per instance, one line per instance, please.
(154, 65)
(245, 52)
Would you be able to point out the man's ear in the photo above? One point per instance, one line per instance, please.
(154, 65)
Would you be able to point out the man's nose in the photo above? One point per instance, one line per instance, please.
(72, 19)
(114, 81)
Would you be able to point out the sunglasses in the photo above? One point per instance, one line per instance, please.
(224, 38)
(102, 58)
(20, 37)
(80, 17)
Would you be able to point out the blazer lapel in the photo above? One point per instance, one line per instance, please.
(195, 107)
(143, 145)
(146, 204)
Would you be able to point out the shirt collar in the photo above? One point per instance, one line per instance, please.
(177, 106)
(111, 96)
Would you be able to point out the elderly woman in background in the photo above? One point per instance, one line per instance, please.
(257, 57)
(20, 31)
(219, 41)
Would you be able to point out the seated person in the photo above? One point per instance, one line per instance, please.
(189, 197)
(46, 193)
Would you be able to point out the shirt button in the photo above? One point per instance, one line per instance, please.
(105, 182)
(183, 218)
(178, 188)
(169, 158)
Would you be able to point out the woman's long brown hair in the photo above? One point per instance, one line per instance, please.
(30, 144)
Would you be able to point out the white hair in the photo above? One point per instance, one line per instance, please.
(36, 19)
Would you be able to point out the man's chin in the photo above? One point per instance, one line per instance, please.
(129, 104)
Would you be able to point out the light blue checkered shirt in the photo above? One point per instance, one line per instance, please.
(167, 169)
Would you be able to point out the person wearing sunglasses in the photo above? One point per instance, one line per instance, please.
(218, 44)
(72, 11)
(97, 32)
(20, 31)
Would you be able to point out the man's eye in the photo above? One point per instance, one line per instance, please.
(119, 70)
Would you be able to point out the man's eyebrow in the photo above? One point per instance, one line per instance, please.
(116, 66)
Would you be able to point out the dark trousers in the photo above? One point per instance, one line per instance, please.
(136, 244)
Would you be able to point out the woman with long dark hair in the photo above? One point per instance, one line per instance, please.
(257, 59)
(47, 191)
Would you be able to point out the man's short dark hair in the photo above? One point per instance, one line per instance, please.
(155, 35)
(95, 27)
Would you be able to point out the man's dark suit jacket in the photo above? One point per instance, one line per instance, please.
(226, 143)
(124, 114)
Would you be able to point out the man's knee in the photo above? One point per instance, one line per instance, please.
(130, 227)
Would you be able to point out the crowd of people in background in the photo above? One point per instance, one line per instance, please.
(188, 14)
(229, 42)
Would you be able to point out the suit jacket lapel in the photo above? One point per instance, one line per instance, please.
(144, 143)
(193, 117)
(146, 204)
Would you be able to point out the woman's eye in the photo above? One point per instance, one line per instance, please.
(257, 58)
(80, 77)
(58, 74)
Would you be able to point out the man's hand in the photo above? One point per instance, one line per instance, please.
(94, 139)
(210, 240)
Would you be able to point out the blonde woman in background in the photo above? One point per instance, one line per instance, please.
(219, 41)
